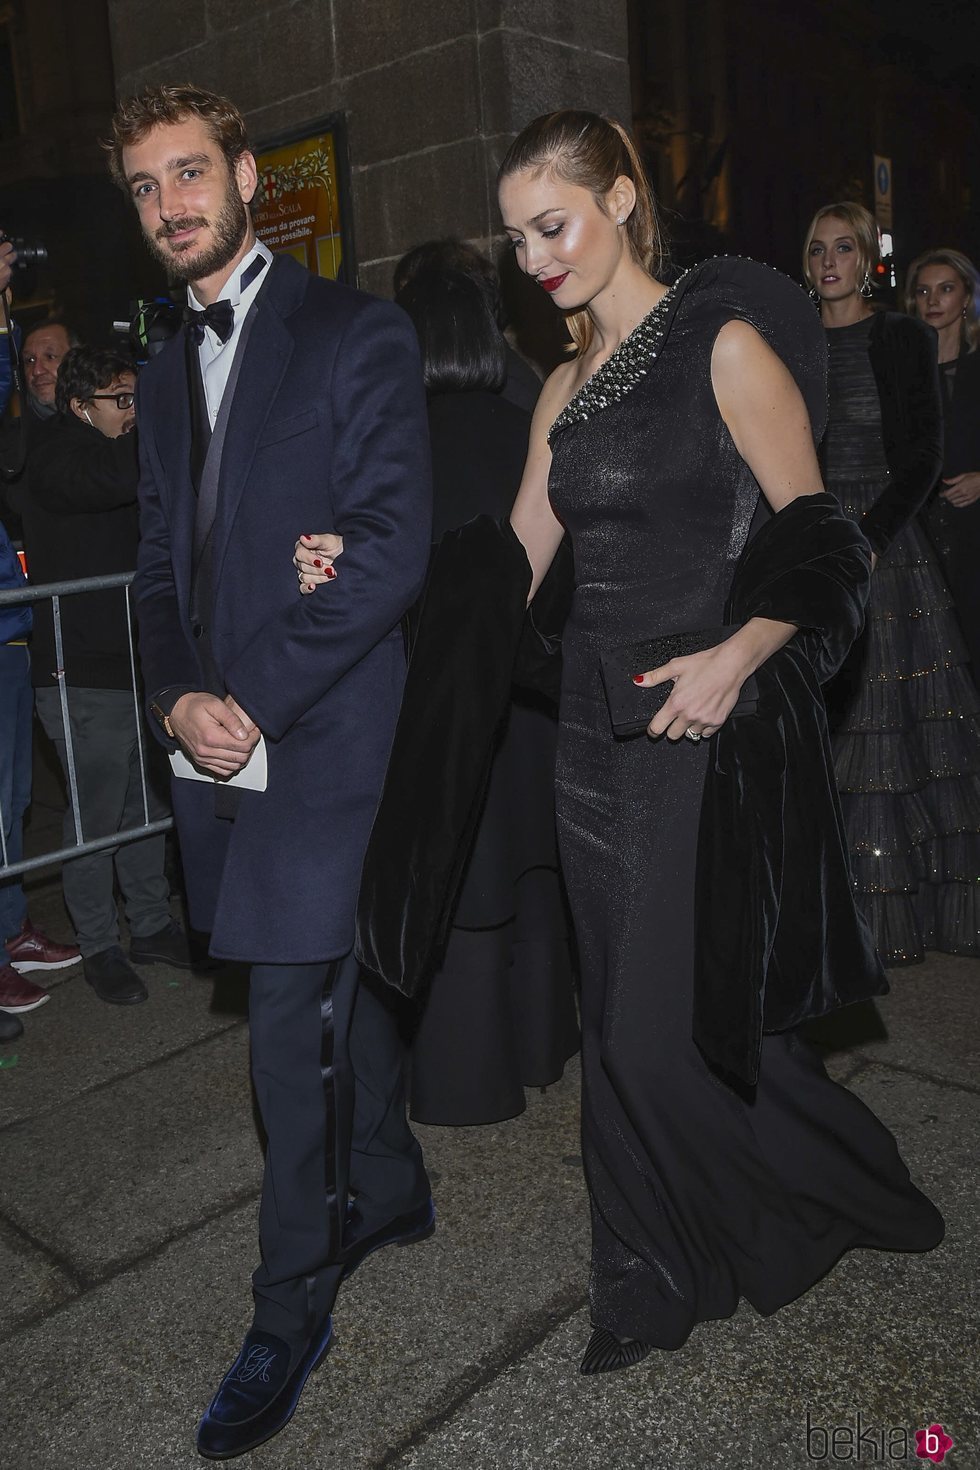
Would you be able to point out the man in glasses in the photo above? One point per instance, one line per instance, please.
(81, 521)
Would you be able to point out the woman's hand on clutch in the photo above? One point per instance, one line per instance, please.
(314, 557)
(707, 685)
(706, 690)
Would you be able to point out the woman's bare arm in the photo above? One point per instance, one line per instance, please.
(765, 414)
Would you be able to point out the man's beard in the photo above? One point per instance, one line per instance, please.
(229, 230)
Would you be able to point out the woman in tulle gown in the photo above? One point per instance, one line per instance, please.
(661, 445)
(904, 709)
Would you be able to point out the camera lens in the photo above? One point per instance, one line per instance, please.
(29, 253)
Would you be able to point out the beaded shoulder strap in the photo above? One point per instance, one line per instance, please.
(622, 369)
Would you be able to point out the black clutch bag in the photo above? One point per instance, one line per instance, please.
(633, 706)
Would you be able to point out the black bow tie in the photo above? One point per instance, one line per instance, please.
(219, 316)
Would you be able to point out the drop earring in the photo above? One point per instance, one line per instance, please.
(814, 295)
(866, 290)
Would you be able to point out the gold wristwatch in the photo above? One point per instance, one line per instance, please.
(164, 719)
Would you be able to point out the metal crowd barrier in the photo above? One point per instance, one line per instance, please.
(53, 592)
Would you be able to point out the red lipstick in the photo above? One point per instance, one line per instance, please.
(551, 283)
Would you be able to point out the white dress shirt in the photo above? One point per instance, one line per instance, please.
(216, 356)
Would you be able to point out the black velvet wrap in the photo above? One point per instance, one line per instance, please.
(465, 634)
(779, 939)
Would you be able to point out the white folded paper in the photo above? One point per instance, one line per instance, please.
(253, 777)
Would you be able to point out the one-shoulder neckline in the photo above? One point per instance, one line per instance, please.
(623, 368)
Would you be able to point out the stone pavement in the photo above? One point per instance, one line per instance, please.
(128, 1191)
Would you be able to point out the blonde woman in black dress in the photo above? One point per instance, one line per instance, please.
(904, 710)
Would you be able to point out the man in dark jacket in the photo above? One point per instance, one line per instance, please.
(290, 402)
(81, 521)
(42, 352)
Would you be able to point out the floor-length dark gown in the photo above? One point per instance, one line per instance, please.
(699, 1196)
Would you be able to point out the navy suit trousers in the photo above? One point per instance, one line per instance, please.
(327, 1064)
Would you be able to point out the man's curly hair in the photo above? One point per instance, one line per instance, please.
(136, 116)
(85, 371)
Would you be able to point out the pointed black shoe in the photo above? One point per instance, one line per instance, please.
(605, 1353)
(407, 1229)
(258, 1394)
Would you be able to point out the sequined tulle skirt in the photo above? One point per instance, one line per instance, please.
(906, 719)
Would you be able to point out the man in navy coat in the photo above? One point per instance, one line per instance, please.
(287, 403)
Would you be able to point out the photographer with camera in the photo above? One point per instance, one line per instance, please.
(27, 948)
(81, 521)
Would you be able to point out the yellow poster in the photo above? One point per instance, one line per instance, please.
(299, 208)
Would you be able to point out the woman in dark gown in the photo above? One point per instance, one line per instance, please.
(699, 1197)
(904, 710)
(942, 288)
(500, 1012)
(651, 445)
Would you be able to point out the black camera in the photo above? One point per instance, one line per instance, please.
(29, 252)
(31, 256)
(154, 321)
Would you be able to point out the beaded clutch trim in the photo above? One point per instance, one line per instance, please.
(622, 369)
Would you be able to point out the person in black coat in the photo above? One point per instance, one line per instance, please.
(288, 401)
(943, 289)
(500, 1011)
(43, 350)
(903, 710)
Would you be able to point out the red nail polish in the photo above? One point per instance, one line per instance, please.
(317, 562)
(306, 536)
(330, 574)
(637, 678)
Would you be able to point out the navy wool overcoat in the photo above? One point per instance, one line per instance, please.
(327, 432)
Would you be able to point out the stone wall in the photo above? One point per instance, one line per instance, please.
(433, 90)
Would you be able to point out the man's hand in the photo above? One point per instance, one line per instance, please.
(216, 734)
